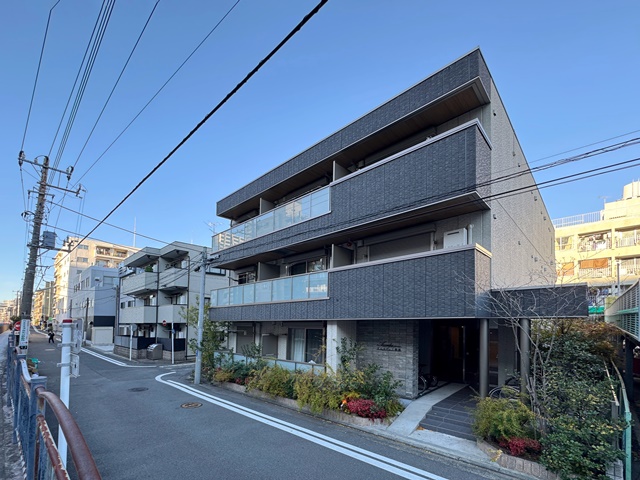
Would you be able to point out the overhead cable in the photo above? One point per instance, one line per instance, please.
(215, 109)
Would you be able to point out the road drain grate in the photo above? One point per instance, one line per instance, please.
(138, 389)
(191, 405)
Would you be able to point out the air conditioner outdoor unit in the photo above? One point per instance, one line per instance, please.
(455, 238)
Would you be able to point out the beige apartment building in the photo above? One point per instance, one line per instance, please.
(601, 248)
(43, 301)
(87, 254)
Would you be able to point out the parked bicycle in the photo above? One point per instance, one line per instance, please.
(426, 381)
(510, 389)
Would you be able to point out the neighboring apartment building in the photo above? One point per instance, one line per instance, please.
(162, 283)
(8, 308)
(94, 300)
(87, 254)
(391, 232)
(601, 248)
(43, 301)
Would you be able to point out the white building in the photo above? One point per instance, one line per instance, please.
(94, 300)
(162, 284)
(68, 265)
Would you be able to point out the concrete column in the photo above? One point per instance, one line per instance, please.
(525, 350)
(484, 357)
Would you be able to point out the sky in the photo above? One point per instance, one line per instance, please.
(566, 71)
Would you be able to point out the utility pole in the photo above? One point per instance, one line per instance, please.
(196, 378)
(34, 245)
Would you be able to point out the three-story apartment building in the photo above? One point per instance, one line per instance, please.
(158, 285)
(391, 232)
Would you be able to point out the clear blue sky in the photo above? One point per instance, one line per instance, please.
(567, 72)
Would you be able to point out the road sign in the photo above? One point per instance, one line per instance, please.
(76, 336)
(24, 333)
(16, 327)
(75, 365)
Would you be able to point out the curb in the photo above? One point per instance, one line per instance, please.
(375, 430)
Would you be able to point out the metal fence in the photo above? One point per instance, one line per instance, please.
(620, 408)
(28, 396)
(271, 361)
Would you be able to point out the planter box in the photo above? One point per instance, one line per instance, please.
(332, 415)
(516, 463)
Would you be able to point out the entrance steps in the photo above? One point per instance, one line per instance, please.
(452, 415)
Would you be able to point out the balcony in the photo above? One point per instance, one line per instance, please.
(146, 314)
(298, 287)
(412, 286)
(140, 283)
(299, 210)
(171, 313)
(174, 279)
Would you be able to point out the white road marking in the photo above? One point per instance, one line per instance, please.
(388, 464)
(115, 362)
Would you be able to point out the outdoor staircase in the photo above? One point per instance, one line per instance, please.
(453, 415)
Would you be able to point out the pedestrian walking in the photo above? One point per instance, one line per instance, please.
(52, 335)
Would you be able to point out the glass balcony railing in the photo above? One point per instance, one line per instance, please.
(298, 287)
(299, 210)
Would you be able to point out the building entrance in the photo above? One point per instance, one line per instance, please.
(454, 351)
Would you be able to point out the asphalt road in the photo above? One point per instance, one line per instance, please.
(151, 422)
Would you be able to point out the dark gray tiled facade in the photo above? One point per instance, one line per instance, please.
(406, 175)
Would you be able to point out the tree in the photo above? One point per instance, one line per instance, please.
(214, 334)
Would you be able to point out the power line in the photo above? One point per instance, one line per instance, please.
(94, 42)
(158, 91)
(107, 224)
(215, 109)
(117, 81)
(35, 82)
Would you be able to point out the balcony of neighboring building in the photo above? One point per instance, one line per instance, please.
(138, 314)
(171, 313)
(174, 280)
(139, 283)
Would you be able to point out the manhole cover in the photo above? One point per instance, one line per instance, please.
(138, 389)
(191, 405)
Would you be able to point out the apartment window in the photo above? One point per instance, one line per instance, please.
(563, 243)
(130, 303)
(122, 304)
(246, 277)
(180, 299)
(82, 260)
(216, 271)
(305, 345)
(82, 246)
(308, 266)
(150, 301)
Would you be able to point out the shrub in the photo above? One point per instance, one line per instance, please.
(274, 380)
(521, 447)
(581, 450)
(366, 408)
(317, 391)
(496, 419)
